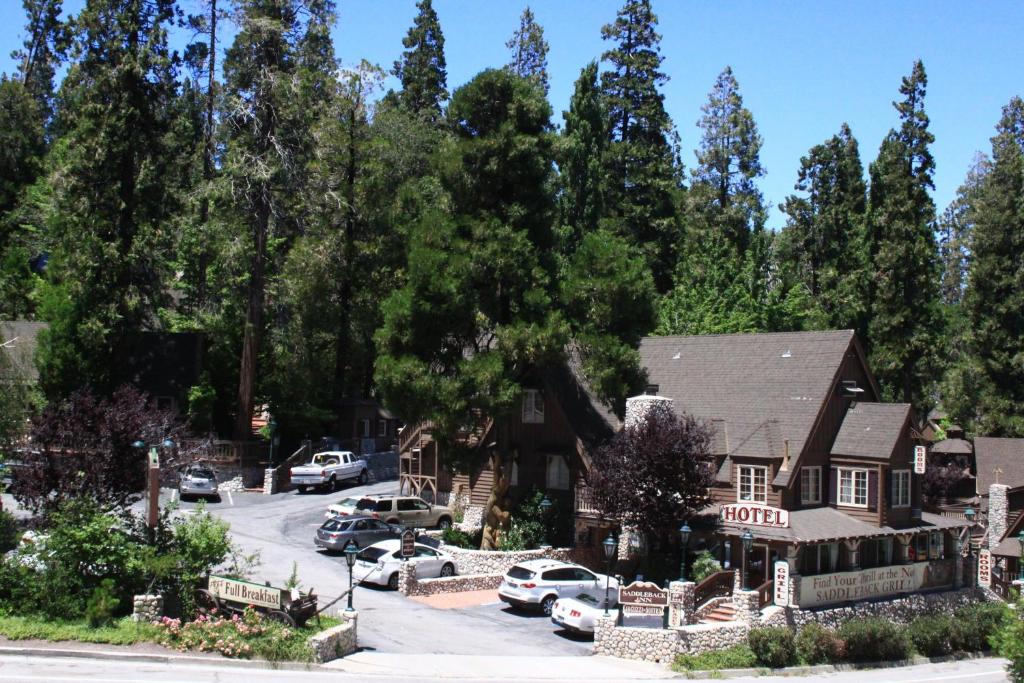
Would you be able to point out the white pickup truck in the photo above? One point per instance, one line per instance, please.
(328, 469)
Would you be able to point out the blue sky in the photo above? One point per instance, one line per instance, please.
(803, 67)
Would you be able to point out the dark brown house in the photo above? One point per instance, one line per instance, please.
(809, 461)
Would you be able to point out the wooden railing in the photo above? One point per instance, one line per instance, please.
(412, 434)
(717, 585)
(764, 594)
(1002, 587)
(242, 453)
(584, 499)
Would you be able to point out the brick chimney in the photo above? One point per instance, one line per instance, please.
(639, 407)
(998, 511)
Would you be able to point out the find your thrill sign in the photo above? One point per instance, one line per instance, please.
(755, 515)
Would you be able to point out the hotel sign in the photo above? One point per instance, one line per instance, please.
(643, 598)
(866, 584)
(782, 583)
(920, 459)
(755, 515)
(244, 592)
(985, 568)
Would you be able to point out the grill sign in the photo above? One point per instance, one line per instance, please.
(755, 515)
(643, 598)
(920, 459)
(985, 568)
(782, 583)
(233, 590)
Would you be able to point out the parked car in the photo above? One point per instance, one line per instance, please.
(336, 532)
(408, 511)
(539, 583)
(380, 562)
(198, 481)
(580, 614)
(343, 508)
(328, 469)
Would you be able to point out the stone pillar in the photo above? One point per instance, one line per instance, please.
(681, 602)
(958, 576)
(638, 408)
(407, 581)
(604, 629)
(269, 481)
(793, 558)
(853, 548)
(998, 509)
(748, 610)
(147, 608)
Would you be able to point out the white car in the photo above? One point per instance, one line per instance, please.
(343, 508)
(580, 614)
(379, 563)
(539, 583)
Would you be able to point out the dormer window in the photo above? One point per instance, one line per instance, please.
(533, 407)
(753, 484)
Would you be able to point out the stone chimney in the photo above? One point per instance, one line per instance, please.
(998, 510)
(639, 407)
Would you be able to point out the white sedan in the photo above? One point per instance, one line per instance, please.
(344, 507)
(580, 614)
(379, 563)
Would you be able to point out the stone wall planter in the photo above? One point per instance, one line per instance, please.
(338, 641)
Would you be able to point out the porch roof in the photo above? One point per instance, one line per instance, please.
(825, 524)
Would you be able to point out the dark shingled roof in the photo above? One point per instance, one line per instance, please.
(1006, 454)
(761, 389)
(593, 421)
(871, 430)
(953, 447)
(18, 341)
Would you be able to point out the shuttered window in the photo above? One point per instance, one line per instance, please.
(853, 487)
(810, 485)
(900, 488)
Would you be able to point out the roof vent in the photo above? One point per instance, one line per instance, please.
(787, 354)
(677, 356)
(651, 389)
(849, 388)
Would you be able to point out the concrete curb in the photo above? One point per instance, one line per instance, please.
(157, 658)
(830, 668)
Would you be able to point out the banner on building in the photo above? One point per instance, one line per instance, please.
(985, 568)
(920, 459)
(826, 589)
(782, 583)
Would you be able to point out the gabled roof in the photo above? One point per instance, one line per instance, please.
(1006, 454)
(758, 390)
(18, 341)
(952, 447)
(591, 420)
(871, 430)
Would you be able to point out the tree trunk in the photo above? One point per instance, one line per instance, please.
(204, 204)
(253, 322)
(343, 341)
(496, 512)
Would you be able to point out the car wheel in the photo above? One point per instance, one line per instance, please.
(393, 581)
(448, 569)
(547, 604)
(363, 478)
(444, 523)
(332, 485)
(302, 489)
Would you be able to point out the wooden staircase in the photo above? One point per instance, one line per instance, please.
(722, 612)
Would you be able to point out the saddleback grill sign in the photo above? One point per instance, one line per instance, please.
(755, 515)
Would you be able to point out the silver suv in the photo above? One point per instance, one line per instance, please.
(408, 511)
(538, 583)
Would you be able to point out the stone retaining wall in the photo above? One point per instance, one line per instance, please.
(901, 610)
(410, 584)
(500, 561)
(147, 608)
(335, 642)
(698, 638)
(647, 644)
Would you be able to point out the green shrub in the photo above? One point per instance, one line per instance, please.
(931, 634)
(100, 608)
(735, 657)
(460, 538)
(773, 647)
(243, 636)
(10, 534)
(704, 566)
(974, 626)
(816, 644)
(873, 639)
(531, 526)
(1008, 641)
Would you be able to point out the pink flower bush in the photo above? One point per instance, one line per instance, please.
(234, 636)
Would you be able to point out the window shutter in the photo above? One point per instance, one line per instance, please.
(872, 489)
(832, 485)
(800, 486)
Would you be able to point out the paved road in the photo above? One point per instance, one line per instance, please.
(281, 529)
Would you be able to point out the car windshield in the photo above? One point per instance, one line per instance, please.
(348, 502)
(374, 505)
(588, 599)
(201, 474)
(335, 525)
(371, 554)
(523, 573)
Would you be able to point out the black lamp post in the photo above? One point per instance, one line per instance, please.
(684, 538)
(272, 427)
(545, 506)
(1020, 561)
(611, 548)
(350, 559)
(748, 543)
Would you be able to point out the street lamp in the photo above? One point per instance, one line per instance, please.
(153, 479)
(350, 559)
(748, 543)
(684, 538)
(611, 548)
(272, 426)
(545, 505)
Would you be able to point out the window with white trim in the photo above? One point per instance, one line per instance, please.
(753, 484)
(810, 485)
(853, 487)
(533, 407)
(382, 427)
(365, 424)
(901, 488)
(558, 473)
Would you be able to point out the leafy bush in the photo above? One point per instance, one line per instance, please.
(874, 639)
(243, 636)
(704, 566)
(102, 604)
(461, 539)
(975, 625)
(735, 657)
(931, 634)
(531, 527)
(1008, 641)
(10, 534)
(816, 644)
(773, 647)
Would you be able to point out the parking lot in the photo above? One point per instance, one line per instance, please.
(280, 528)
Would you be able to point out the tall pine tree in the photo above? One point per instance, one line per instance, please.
(41, 53)
(422, 68)
(580, 153)
(905, 326)
(642, 174)
(529, 51)
(995, 296)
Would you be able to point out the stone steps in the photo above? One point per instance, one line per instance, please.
(723, 612)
